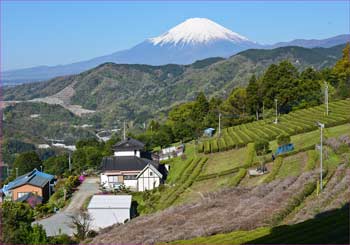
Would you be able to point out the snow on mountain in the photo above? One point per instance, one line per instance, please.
(192, 40)
(197, 30)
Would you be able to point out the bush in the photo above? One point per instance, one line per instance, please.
(206, 147)
(222, 144)
(238, 177)
(200, 148)
(214, 146)
(283, 139)
(312, 160)
(294, 202)
(275, 168)
(262, 147)
(250, 155)
(229, 142)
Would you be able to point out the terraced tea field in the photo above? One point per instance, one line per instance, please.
(297, 122)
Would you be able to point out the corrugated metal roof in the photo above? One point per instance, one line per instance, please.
(110, 201)
(34, 177)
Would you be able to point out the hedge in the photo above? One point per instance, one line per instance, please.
(238, 177)
(222, 144)
(214, 146)
(312, 158)
(294, 202)
(250, 155)
(206, 147)
(201, 147)
(274, 171)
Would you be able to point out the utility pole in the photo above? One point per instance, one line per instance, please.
(219, 124)
(69, 161)
(41, 168)
(321, 125)
(16, 172)
(124, 131)
(326, 96)
(276, 111)
(263, 110)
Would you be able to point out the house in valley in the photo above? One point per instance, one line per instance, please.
(130, 166)
(35, 182)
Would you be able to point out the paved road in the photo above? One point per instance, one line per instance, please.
(59, 223)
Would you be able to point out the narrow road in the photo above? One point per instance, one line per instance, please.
(59, 223)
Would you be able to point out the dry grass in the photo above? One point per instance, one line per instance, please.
(230, 209)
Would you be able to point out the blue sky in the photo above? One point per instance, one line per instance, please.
(52, 33)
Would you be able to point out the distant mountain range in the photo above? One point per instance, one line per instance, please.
(194, 39)
(139, 92)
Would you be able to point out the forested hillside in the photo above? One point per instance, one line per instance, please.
(139, 92)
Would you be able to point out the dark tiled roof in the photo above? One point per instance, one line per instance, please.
(126, 163)
(34, 177)
(129, 144)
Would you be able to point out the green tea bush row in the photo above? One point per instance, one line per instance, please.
(238, 177)
(274, 171)
(294, 202)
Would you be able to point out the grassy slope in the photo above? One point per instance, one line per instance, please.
(292, 165)
(330, 227)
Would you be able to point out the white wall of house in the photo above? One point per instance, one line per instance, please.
(132, 184)
(104, 180)
(103, 217)
(148, 180)
(126, 153)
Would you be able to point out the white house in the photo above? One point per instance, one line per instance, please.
(107, 210)
(127, 167)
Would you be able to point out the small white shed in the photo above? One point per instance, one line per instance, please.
(107, 210)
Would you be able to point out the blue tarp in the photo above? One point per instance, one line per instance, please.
(284, 148)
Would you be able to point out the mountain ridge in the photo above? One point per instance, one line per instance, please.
(197, 39)
(138, 92)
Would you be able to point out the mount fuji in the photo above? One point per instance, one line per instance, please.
(191, 40)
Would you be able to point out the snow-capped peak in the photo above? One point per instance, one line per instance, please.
(197, 30)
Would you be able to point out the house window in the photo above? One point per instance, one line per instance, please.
(150, 173)
(113, 179)
(130, 177)
(21, 194)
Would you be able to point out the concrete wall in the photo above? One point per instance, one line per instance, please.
(103, 217)
(126, 153)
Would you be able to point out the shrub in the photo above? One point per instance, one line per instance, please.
(238, 177)
(312, 159)
(294, 202)
(250, 155)
(206, 147)
(214, 146)
(283, 139)
(222, 144)
(262, 147)
(229, 142)
(275, 168)
(201, 148)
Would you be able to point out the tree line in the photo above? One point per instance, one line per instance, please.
(291, 88)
